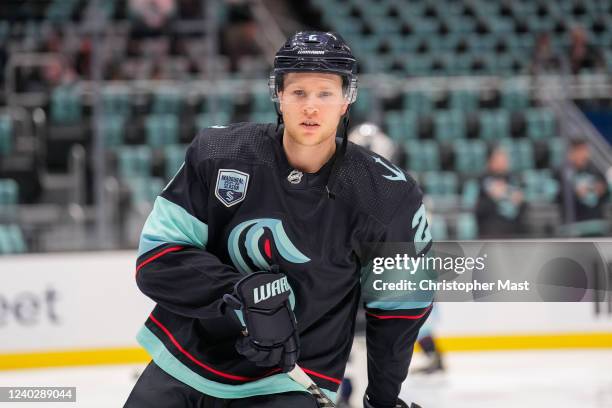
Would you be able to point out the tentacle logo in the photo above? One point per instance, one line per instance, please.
(245, 245)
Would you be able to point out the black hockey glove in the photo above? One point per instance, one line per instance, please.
(367, 403)
(270, 337)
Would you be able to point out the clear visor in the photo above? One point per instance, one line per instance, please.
(303, 95)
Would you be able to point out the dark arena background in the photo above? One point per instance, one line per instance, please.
(501, 110)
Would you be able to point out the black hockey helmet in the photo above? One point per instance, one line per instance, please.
(315, 51)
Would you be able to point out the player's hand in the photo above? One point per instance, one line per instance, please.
(367, 403)
(270, 336)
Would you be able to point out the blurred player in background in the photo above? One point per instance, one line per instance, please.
(253, 252)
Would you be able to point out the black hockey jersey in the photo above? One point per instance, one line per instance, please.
(237, 206)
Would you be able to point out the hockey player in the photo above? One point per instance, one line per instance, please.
(254, 251)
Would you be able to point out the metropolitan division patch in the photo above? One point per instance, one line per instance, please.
(231, 186)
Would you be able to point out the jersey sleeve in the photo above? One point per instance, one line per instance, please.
(174, 267)
(393, 320)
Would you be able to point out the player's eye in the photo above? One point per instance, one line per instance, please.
(325, 94)
(298, 92)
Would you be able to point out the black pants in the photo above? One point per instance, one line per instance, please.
(156, 388)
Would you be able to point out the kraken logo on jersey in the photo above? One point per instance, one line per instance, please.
(231, 186)
(396, 173)
(250, 245)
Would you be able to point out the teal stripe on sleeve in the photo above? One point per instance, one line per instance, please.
(275, 384)
(170, 223)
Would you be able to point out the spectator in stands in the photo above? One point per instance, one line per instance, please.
(151, 17)
(585, 190)
(544, 57)
(238, 36)
(582, 55)
(500, 210)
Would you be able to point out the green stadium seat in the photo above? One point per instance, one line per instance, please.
(205, 120)
(440, 183)
(469, 193)
(364, 103)
(145, 189)
(556, 152)
(6, 135)
(174, 158)
(116, 101)
(467, 227)
(11, 240)
(263, 117)
(66, 105)
(423, 156)
(464, 100)
(161, 129)
(261, 102)
(494, 125)
(540, 123)
(540, 186)
(167, 101)
(9, 192)
(223, 104)
(449, 125)
(401, 125)
(134, 161)
(514, 97)
(470, 156)
(520, 152)
(418, 101)
(112, 129)
(439, 228)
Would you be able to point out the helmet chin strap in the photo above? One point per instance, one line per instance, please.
(333, 175)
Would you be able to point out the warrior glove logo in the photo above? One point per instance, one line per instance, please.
(270, 289)
(231, 186)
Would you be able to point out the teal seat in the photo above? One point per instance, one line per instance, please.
(116, 101)
(540, 123)
(540, 186)
(439, 228)
(449, 125)
(112, 129)
(261, 102)
(11, 240)
(494, 125)
(9, 192)
(66, 105)
(134, 162)
(418, 101)
(145, 189)
(401, 125)
(174, 157)
(469, 194)
(364, 103)
(467, 227)
(167, 101)
(520, 153)
(556, 152)
(263, 117)
(464, 100)
(470, 156)
(423, 156)
(440, 183)
(162, 129)
(514, 97)
(219, 104)
(205, 120)
(6, 135)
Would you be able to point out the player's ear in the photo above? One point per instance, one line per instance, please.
(344, 108)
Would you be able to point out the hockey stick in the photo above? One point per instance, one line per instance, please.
(299, 376)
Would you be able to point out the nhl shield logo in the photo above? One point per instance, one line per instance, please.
(231, 186)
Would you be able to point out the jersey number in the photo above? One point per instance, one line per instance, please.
(422, 237)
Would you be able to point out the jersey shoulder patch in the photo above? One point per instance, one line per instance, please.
(249, 142)
(374, 184)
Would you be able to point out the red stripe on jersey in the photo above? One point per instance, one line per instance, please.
(310, 372)
(268, 249)
(157, 255)
(198, 362)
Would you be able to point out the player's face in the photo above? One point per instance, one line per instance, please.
(312, 105)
